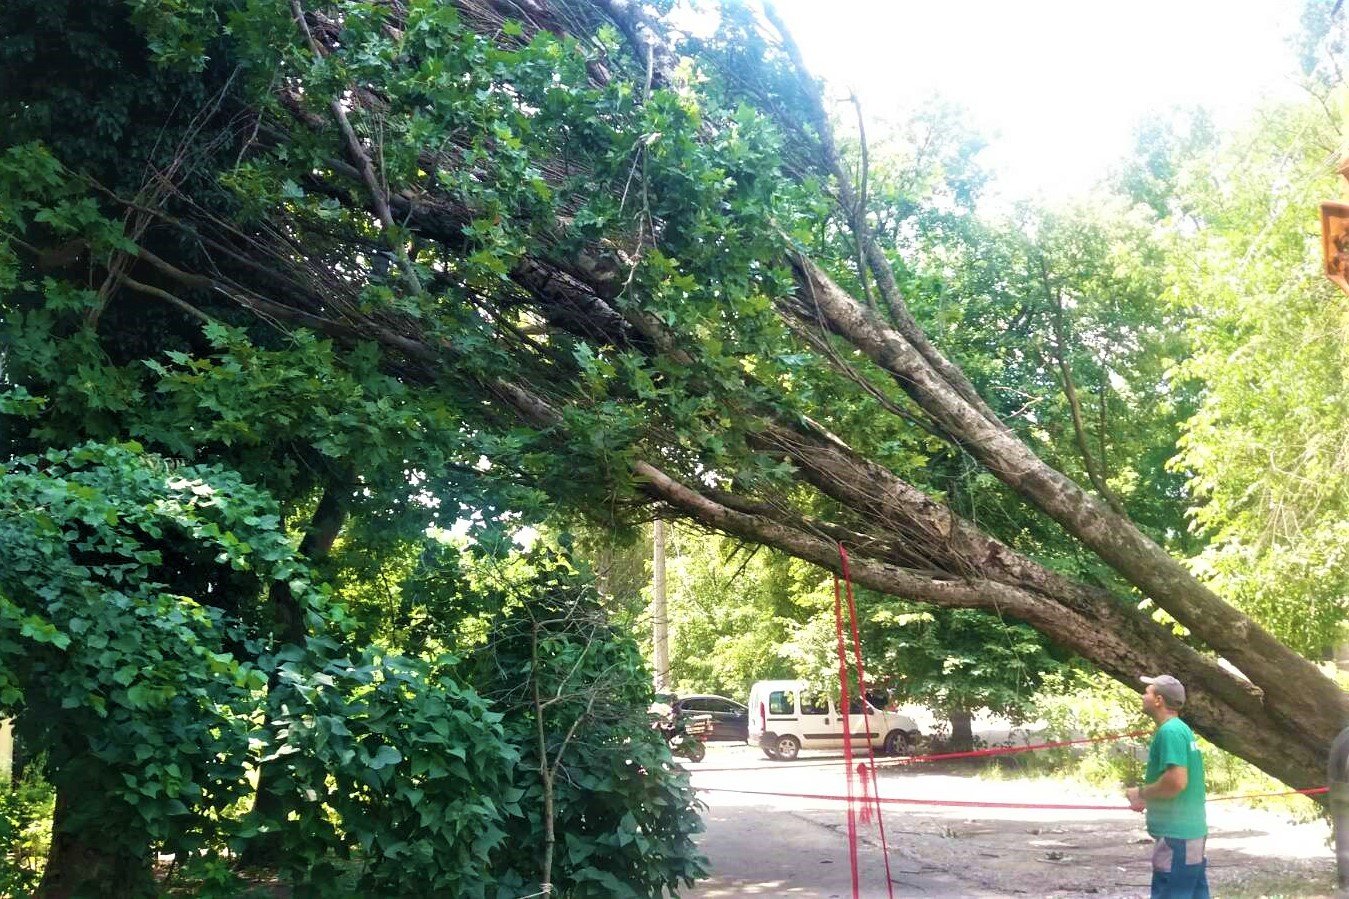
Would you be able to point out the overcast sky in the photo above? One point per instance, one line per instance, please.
(1056, 85)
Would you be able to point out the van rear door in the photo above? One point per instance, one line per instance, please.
(782, 716)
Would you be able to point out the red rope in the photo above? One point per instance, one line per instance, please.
(1310, 791)
(847, 736)
(1012, 750)
(866, 716)
(893, 801)
(908, 760)
(953, 803)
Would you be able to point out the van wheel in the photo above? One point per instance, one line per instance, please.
(787, 747)
(770, 753)
(897, 743)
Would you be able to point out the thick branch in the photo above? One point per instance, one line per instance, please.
(853, 208)
(1119, 644)
(1300, 691)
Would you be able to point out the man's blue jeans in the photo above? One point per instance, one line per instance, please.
(1179, 869)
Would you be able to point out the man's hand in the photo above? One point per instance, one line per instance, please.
(1135, 797)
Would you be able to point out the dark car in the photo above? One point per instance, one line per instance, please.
(730, 719)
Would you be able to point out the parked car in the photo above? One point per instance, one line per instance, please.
(730, 719)
(787, 716)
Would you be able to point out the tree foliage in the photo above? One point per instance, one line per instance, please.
(401, 264)
(1265, 452)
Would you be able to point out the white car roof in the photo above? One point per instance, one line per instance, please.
(777, 685)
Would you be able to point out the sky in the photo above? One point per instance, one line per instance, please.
(1058, 87)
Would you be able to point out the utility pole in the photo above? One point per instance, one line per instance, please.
(660, 622)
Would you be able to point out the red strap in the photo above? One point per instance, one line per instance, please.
(954, 803)
(866, 715)
(847, 737)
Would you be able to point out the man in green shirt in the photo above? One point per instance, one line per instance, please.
(1173, 796)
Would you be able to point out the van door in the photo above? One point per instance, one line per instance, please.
(758, 713)
(858, 724)
(782, 717)
(820, 727)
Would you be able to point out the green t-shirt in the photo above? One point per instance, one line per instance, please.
(1182, 816)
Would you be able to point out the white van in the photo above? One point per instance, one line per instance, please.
(786, 716)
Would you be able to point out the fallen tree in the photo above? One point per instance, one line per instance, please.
(595, 248)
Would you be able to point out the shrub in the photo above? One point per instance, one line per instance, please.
(25, 832)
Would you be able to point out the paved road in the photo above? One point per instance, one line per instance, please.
(792, 847)
(757, 849)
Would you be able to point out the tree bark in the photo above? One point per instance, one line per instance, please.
(92, 858)
(962, 730)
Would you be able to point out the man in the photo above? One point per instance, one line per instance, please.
(1173, 796)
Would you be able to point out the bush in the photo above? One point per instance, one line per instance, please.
(25, 832)
(623, 813)
(385, 760)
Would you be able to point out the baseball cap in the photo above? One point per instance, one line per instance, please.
(1168, 687)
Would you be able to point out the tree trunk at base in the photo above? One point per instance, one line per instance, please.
(962, 731)
(94, 862)
(264, 850)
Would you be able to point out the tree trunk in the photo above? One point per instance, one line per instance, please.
(7, 774)
(660, 621)
(1299, 694)
(1088, 621)
(962, 730)
(92, 857)
(545, 770)
(264, 849)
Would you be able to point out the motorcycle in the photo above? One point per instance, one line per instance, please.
(686, 735)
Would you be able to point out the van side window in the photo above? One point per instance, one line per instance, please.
(782, 702)
(816, 702)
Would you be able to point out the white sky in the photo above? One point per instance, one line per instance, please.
(1057, 86)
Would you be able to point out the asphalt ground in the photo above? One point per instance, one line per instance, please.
(782, 845)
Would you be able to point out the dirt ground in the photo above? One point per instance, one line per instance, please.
(780, 846)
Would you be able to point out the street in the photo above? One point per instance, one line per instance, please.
(765, 845)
